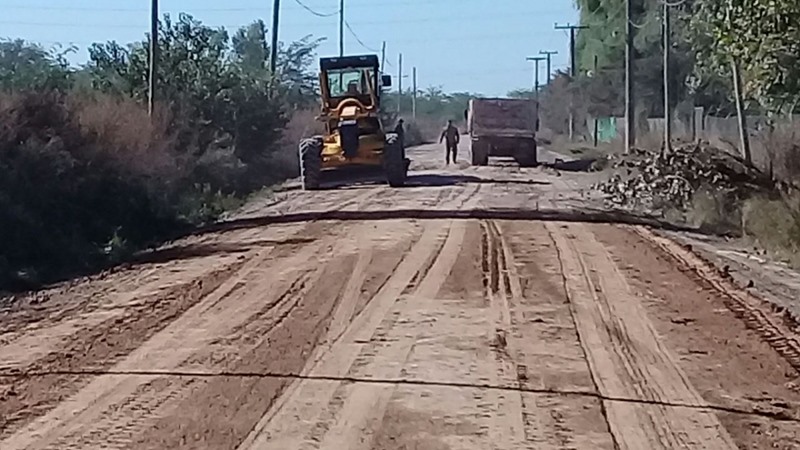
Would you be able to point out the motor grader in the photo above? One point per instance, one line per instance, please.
(354, 135)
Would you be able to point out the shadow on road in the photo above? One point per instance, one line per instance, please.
(433, 180)
(574, 215)
(577, 165)
(424, 180)
(199, 250)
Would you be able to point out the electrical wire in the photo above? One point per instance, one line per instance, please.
(358, 39)
(318, 14)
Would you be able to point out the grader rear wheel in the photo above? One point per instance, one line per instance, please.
(394, 162)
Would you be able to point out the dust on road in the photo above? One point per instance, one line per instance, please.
(400, 333)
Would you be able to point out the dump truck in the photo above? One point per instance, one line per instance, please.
(355, 135)
(503, 127)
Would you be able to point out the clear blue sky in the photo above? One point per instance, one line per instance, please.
(460, 45)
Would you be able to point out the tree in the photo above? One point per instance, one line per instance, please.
(218, 87)
(29, 66)
(762, 36)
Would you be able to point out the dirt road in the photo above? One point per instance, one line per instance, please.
(440, 316)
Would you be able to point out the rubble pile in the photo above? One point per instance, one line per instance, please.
(669, 180)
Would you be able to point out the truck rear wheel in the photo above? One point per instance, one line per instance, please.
(528, 156)
(480, 153)
(311, 163)
(394, 161)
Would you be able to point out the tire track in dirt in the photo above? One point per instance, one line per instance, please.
(509, 428)
(111, 332)
(166, 350)
(303, 397)
(756, 313)
(363, 405)
(302, 406)
(549, 350)
(221, 412)
(99, 347)
(626, 356)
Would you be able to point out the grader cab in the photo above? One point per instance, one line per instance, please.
(354, 134)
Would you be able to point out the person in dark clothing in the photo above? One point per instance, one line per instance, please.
(451, 136)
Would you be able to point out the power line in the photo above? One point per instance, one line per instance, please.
(381, 23)
(358, 39)
(318, 14)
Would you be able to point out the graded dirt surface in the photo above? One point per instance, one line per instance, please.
(472, 309)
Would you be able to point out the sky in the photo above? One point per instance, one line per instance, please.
(477, 46)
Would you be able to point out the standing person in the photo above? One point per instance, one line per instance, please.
(451, 137)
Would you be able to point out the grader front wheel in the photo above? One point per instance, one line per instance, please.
(311, 163)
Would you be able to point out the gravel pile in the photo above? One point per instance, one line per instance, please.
(656, 182)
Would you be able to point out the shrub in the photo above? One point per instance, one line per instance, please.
(74, 184)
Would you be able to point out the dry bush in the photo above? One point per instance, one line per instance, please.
(715, 212)
(426, 130)
(128, 135)
(773, 223)
(302, 124)
(76, 192)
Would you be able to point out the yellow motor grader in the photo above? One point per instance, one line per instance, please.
(354, 134)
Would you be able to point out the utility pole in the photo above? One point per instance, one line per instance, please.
(536, 60)
(549, 55)
(414, 94)
(630, 101)
(341, 28)
(383, 57)
(151, 88)
(667, 109)
(399, 83)
(744, 139)
(273, 50)
(573, 69)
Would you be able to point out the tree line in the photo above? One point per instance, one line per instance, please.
(708, 36)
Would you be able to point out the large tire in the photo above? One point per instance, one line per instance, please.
(395, 165)
(311, 163)
(480, 153)
(528, 157)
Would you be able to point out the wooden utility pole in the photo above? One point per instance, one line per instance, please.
(573, 70)
(536, 60)
(151, 88)
(341, 28)
(273, 49)
(414, 94)
(667, 109)
(399, 83)
(549, 56)
(630, 101)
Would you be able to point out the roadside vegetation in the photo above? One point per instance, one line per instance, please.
(708, 36)
(89, 178)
